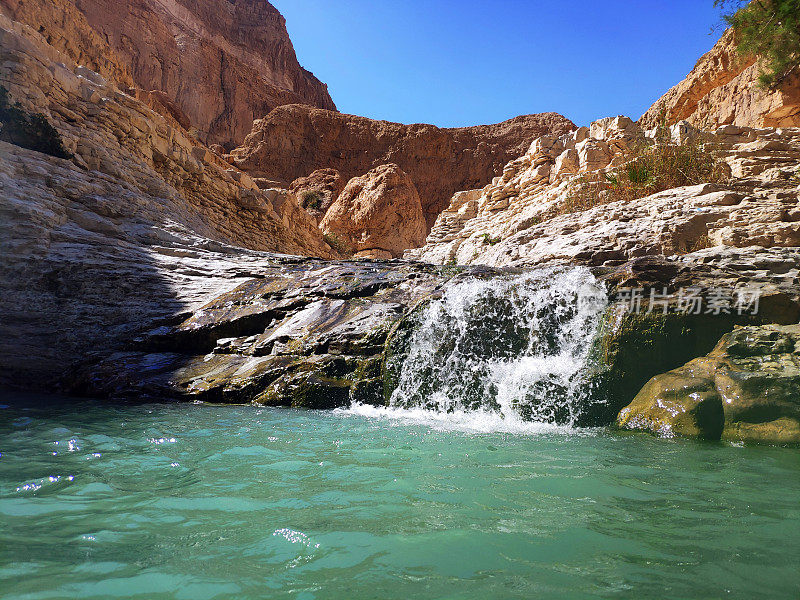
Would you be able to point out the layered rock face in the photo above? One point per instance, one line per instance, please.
(292, 141)
(66, 29)
(747, 388)
(142, 223)
(222, 63)
(722, 89)
(378, 215)
(307, 334)
(512, 220)
(738, 236)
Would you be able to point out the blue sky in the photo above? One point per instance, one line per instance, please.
(466, 62)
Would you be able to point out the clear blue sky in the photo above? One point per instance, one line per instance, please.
(467, 62)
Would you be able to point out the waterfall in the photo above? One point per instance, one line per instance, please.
(514, 347)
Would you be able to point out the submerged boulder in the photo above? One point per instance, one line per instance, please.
(746, 389)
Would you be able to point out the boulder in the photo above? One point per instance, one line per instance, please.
(317, 191)
(639, 338)
(292, 141)
(378, 212)
(746, 389)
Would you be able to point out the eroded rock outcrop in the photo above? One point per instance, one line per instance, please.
(666, 311)
(66, 29)
(222, 63)
(317, 191)
(306, 334)
(518, 219)
(722, 89)
(316, 334)
(142, 223)
(378, 215)
(293, 141)
(746, 389)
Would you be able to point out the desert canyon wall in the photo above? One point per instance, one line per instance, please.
(722, 89)
(226, 72)
(223, 64)
(139, 222)
(293, 141)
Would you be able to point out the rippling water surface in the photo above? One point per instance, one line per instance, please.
(199, 502)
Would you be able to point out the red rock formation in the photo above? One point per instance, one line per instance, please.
(378, 215)
(66, 29)
(293, 141)
(318, 191)
(141, 160)
(161, 103)
(722, 89)
(222, 62)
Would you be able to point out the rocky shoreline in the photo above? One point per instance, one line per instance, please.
(147, 265)
(319, 334)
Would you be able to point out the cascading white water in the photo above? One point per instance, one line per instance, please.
(514, 347)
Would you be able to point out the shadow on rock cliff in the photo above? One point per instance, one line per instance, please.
(89, 259)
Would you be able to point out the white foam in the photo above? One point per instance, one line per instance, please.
(492, 350)
(477, 421)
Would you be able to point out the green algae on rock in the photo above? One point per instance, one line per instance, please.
(308, 334)
(315, 334)
(746, 389)
(631, 347)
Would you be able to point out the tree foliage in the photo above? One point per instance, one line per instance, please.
(769, 29)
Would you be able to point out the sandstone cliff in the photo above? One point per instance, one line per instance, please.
(512, 221)
(66, 29)
(222, 63)
(141, 223)
(292, 141)
(722, 89)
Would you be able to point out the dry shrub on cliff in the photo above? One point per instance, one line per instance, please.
(339, 244)
(311, 199)
(650, 169)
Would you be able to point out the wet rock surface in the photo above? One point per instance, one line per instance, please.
(307, 333)
(661, 330)
(317, 334)
(746, 389)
